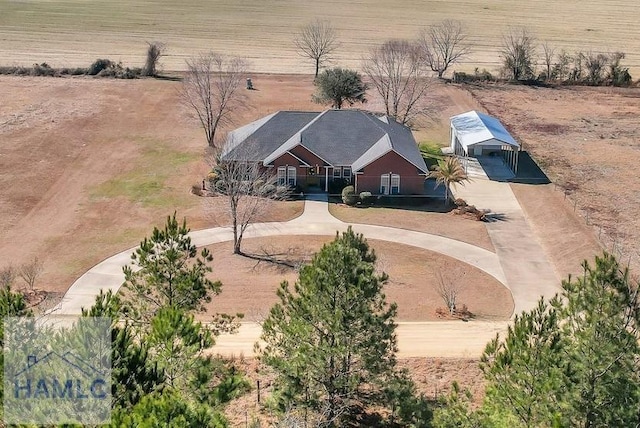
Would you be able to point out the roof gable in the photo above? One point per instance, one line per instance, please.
(262, 137)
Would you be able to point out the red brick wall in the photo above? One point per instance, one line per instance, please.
(411, 183)
(307, 156)
(287, 160)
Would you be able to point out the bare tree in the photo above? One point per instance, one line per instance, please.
(211, 88)
(562, 66)
(399, 73)
(318, 41)
(7, 276)
(596, 65)
(449, 291)
(248, 187)
(518, 53)
(30, 271)
(155, 51)
(548, 55)
(444, 44)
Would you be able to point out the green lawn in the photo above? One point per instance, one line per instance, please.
(147, 182)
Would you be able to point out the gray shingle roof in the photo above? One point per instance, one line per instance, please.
(340, 137)
(264, 137)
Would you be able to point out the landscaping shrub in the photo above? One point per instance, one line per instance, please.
(366, 198)
(219, 186)
(462, 208)
(349, 196)
(336, 186)
(269, 189)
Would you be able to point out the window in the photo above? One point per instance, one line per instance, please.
(390, 184)
(395, 184)
(287, 176)
(291, 176)
(337, 172)
(346, 173)
(384, 184)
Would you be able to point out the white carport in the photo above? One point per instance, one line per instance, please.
(477, 134)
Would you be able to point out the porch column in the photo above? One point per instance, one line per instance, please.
(326, 178)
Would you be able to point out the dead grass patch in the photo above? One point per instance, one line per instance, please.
(437, 223)
(249, 286)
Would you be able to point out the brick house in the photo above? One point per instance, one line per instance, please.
(311, 150)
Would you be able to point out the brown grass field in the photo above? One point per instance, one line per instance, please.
(76, 32)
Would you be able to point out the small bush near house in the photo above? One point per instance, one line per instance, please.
(366, 198)
(336, 185)
(469, 211)
(349, 196)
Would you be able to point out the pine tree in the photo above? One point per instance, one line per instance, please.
(133, 373)
(331, 340)
(601, 316)
(524, 372)
(168, 272)
(167, 410)
(575, 361)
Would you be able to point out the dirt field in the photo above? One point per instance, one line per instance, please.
(249, 287)
(89, 166)
(76, 32)
(588, 141)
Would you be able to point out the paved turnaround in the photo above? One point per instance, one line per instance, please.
(445, 339)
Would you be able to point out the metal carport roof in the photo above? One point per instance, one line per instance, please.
(474, 127)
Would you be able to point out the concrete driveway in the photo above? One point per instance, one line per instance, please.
(511, 237)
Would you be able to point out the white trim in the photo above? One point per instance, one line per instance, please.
(388, 181)
(292, 142)
(298, 158)
(237, 136)
(338, 170)
(399, 154)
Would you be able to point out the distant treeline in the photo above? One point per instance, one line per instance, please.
(581, 68)
(100, 67)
